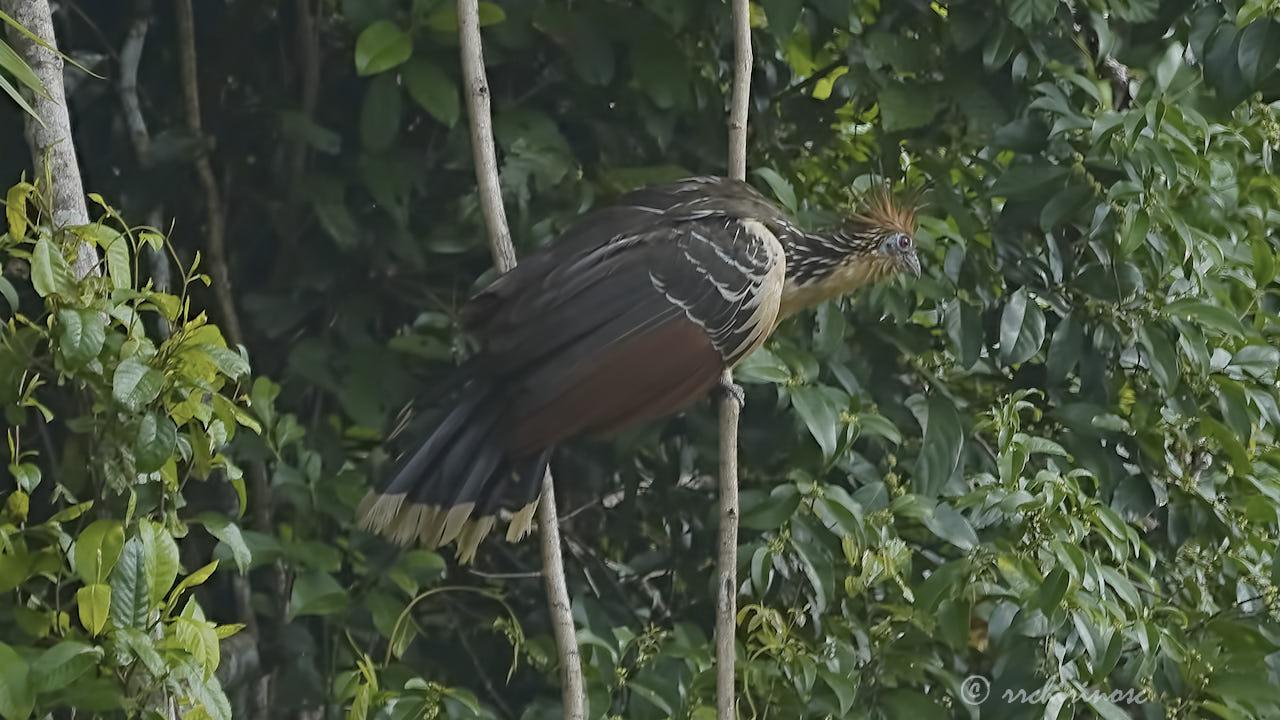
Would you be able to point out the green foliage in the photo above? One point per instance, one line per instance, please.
(1049, 464)
(148, 415)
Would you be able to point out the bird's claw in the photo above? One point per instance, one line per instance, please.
(732, 390)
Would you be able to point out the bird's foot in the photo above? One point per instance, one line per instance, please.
(732, 390)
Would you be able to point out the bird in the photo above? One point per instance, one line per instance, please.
(630, 315)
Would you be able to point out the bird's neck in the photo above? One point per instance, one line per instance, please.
(825, 265)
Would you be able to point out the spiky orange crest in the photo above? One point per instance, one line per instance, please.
(886, 211)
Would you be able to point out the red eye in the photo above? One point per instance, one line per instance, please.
(904, 242)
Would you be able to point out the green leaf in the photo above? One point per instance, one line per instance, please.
(781, 187)
(1259, 50)
(130, 589)
(964, 327)
(49, 273)
(820, 414)
(380, 114)
(135, 384)
(1064, 349)
(197, 637)
(950, 525)
(16, 696)
(943, 440)
(154, 445)
(97, 550)
(782, 16)
(9, 294)
(432, 89)
(13, 63)
(1222, 65)
(193, 580)
(1021, 329)
(162, 558)
(1052, 590)
(1264, 262)
(903, 107)
(15, 209)
(1161, 357)
(94, 604)
(63, 664)
(762, 366)
(1064, 206)
(229, 533)
(317, 593)
(81, 334)
(1211, 316)
(380, 47)
(118, 263)
(445, 17)
(1027, 181)
(769, 512)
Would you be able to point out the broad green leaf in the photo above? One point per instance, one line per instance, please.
(762, 366)
(15, 209)
(80, 336)
(433, 90)
(1264, 262)
(380, 47)
(197, 637)
(903, 107)
(118, 262)
(782, 16)
(1021, 328)
(130, 590)
(662, 71)
(943, 440)
(9, 294)
(49, 272)
(782, 189)
(157, 437)
(97, 550)
(769, 512)
(316, 593)
(135, 384)
(820, 414)
(1259, 50)
(229, 533)
(1222, 65)
(63, 664)
(1211, 316)
(911, 705)
(950, 525)
(964, 327)
(162, 558)
(16, 695)
(94, 605)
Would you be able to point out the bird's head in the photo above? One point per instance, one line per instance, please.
(874, 245)
(884, 236)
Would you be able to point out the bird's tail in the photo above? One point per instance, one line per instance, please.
(452, 483)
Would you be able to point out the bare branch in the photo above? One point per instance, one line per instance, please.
(727, 545)
(50, 137)
(504, 257)
(130, 58)
(204, 169)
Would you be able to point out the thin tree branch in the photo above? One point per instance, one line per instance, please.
(50, 137)
(204, 169)
(504, 257)
(730, 408)
(130, 58)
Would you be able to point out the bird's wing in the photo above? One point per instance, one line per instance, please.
(634, 328)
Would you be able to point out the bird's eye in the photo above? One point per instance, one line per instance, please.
(904, 241)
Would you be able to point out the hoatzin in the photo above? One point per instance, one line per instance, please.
(630, 316)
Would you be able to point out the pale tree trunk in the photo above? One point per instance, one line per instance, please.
(504, 257)
(51, 141)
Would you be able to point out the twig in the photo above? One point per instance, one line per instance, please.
(504, 257)
(813, 79)
(130, 58)
(50, 137)
(727, 546)
(204, 169)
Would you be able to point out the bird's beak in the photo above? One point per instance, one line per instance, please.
(911, 263)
